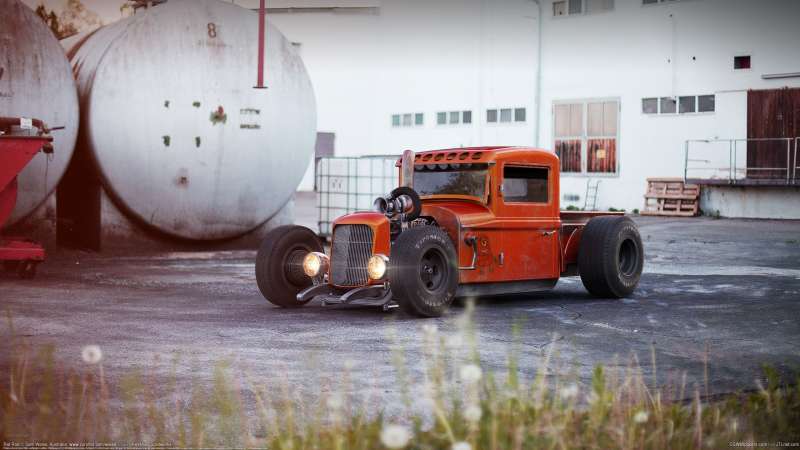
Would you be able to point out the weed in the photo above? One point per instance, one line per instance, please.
(464, 406)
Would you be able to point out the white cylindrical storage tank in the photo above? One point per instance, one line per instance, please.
(36, 82)
(181, 140)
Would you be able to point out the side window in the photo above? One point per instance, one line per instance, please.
(525, 184)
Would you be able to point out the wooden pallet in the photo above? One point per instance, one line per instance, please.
(671, 197)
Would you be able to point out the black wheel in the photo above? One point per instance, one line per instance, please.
(279, 264)
(611, 256)
(423, 271)
(26, 270)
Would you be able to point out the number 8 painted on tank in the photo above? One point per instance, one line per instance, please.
(212, 30)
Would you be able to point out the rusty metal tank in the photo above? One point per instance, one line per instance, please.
(181, 140)
(36, 82)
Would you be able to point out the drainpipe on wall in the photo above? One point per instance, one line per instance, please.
(538, 104)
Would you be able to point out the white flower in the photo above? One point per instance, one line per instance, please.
(335, 401)
(569, 392)
(454, 340)
(462, 446)
(91, 354)
(430, 330)
(640, 417)
(395, 436)
(473, 413)
(470, 373)
(427, 398)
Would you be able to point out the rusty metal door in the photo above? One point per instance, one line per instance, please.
(773, 113)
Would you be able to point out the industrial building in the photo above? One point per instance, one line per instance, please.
(616, 87)
(622, 90)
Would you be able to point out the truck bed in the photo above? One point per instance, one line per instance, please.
(581, 217)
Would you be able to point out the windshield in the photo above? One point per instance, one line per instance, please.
(451, 179)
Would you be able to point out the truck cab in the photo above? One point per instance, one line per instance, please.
(465, 222)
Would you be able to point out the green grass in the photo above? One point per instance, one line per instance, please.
(454, 404)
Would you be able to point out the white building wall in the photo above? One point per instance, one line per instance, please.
(418, 56)
(446, 55)
(668, 49)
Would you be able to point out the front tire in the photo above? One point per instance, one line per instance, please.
(610, 257)
(279, 264)
(423, 271)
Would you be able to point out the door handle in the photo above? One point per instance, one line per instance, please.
(548, 233)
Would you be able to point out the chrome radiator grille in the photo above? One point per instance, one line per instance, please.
(351, 250)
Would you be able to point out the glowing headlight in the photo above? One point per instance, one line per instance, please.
(315, 263)
(376, 267)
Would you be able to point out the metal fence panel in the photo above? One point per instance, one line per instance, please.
(349, 184)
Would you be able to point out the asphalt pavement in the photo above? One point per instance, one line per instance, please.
(721, 295)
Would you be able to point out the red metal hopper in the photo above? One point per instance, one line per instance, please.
(16, 152)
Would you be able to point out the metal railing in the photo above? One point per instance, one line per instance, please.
(724, 161)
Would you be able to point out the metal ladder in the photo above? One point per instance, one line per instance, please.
(590, 200)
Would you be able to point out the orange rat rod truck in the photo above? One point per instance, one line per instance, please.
(465, 223)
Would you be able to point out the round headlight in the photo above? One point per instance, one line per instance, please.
(314, 264)
(376, 267)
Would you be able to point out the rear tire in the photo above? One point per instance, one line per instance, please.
(423, 271)
(610, 257)
(279, 264)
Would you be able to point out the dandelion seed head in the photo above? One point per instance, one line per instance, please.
(335, 401)
(470, 373)
(641, 417)
(473, 413)
(454, 341)
(569, 392)
(91, 354)
(429, 330)
(462, 446)
(395, 436)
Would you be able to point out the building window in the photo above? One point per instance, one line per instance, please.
(687, 104)
(408, 120)
(453, 117)
(506, 115)
(668, 105)
(586, 135)
(706, 103)
(578, 7)
(559, 8)
(741, 62)
(650, 105)
(525, 184)
(593, 6)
